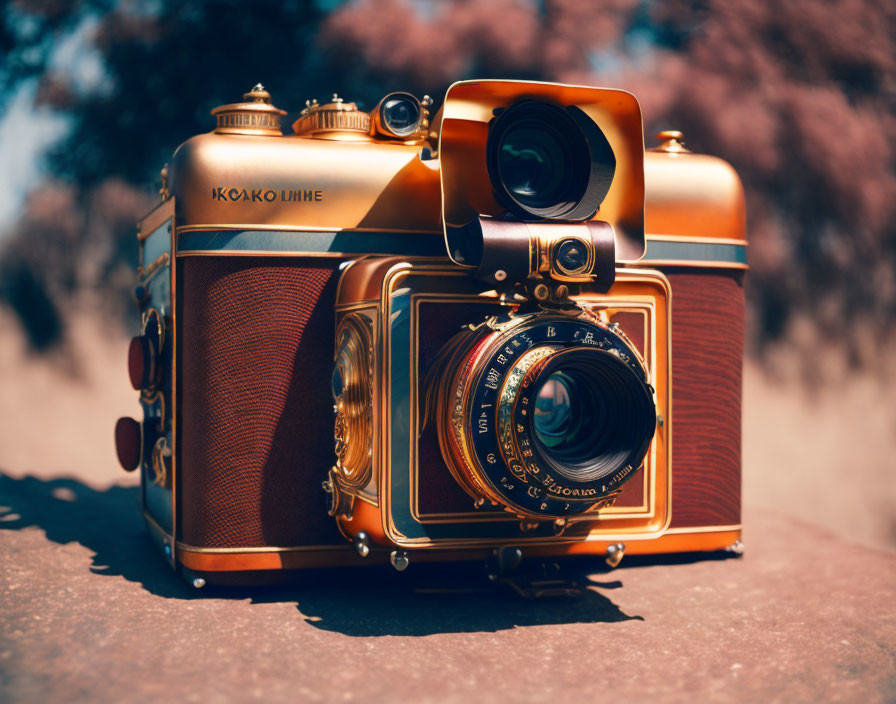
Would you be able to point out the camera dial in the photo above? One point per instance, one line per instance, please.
(334, 120)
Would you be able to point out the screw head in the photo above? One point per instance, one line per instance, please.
(500, 275)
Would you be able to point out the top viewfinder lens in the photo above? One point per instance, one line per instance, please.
(401, 115)
(548, 162)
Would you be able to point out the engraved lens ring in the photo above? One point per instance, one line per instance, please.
(547, 416)
(352, 394)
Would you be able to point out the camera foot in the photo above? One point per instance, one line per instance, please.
(615, 553)
(736, 547)
(533, 580)
(399, 560)
(191, 578)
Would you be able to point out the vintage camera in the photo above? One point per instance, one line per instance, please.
(396, 338)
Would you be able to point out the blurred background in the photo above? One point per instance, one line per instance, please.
(800, 97)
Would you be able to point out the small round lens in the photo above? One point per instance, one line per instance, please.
(401, 115)
(571, 255)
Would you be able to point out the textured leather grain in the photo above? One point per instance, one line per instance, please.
(707, 368)
(256, 419)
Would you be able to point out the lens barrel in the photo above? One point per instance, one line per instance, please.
(545, 416)
(600, 414)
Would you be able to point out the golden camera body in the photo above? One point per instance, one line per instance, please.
(390, 338)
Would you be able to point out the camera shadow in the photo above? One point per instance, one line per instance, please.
(424, 600)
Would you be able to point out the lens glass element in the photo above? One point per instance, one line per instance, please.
(554, 416)
(572, 256)
(539, 161)
(534, 167)
(401, 115)
(591, 413)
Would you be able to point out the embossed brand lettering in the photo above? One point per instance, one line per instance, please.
(229, 194)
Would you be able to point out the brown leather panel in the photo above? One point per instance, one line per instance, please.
(438, 490)
(256, 430)
(707, 363)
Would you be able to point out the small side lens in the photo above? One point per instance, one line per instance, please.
(400, 115)
(571, 256)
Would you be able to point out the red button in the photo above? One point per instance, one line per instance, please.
(128, 439)
(141, 363)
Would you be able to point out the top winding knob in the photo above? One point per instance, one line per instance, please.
(334, 120)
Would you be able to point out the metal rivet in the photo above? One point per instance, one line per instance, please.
(541, 292)
(559, 526)
(562, 291)
(500, 275)
(660, 420)
(198, 582)
(362, 544)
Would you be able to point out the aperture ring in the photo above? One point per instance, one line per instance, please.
(482, 396)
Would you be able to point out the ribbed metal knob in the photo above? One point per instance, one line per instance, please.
(335, 116)
(255, 115)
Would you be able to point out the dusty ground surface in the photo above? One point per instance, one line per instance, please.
(89, 612)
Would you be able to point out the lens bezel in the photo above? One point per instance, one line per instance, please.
(485, 437)
(623, 432)
(388, 129)
(588, 170)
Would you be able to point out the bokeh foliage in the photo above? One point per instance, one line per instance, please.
(800, 97)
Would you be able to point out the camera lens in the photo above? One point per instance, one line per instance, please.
(401, 115)
(535, 169)
(546, 416)
(591, 414)
(555, 418)
(571, 256)
(548, 162)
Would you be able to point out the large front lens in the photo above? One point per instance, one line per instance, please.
(548, 416)
(534, 167)
(539, 160)
(591, 414)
